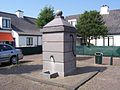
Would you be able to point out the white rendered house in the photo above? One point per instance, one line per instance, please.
(21, 29)
(112, 20)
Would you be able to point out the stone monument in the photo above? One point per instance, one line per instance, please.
(59, 47)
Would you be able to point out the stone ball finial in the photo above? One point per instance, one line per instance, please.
(59, 13)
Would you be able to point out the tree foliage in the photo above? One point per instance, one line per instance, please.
(91, 24)
(45, 16)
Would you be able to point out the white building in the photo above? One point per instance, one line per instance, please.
(19, 30)
(112, 20)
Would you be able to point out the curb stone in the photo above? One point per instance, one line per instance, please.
(80, 83)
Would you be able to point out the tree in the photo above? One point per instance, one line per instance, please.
(45, 16)
(91, 25)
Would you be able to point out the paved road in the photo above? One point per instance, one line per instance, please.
(13, 81)
(108, 79)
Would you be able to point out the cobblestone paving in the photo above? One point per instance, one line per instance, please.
(13, 82)
(108, 79)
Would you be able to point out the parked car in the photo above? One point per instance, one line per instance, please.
(9, 54)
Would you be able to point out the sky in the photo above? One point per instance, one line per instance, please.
(32, 8)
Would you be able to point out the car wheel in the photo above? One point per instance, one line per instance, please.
(14, 60)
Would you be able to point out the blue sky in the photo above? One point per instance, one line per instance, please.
(69, 7)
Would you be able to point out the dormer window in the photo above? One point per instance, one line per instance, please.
(5, 23)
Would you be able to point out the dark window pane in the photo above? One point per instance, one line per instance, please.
(29, 41)
(6, 23)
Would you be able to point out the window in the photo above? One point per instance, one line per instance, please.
(108, 41)
(29, 41)
(6, 23)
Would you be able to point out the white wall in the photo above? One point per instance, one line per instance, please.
(40, 40)
(22, 41)
(16, 36)
(0, 22)
(116, 40)
(92, 41)
(73, 22)
(100, 42)
(106, 41)
(111, 41)
(104, 10)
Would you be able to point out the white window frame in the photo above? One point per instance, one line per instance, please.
(6, 21)
(29, 41)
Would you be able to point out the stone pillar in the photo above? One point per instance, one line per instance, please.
(59, 46)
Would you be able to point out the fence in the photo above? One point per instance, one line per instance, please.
(80, 50)
(91, 50)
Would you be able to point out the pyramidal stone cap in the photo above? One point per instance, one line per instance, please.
(58, 24)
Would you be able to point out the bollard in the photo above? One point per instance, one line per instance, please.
(111, 60)
(17, 61)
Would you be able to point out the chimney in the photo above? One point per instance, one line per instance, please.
(19, 13)
(104, 10)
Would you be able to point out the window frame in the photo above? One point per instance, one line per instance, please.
(6, 23)
(29, 41)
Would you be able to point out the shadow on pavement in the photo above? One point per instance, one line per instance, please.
(5, 64)
(21, 62)
(8, 64)
(22, 69)
(87, 69)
